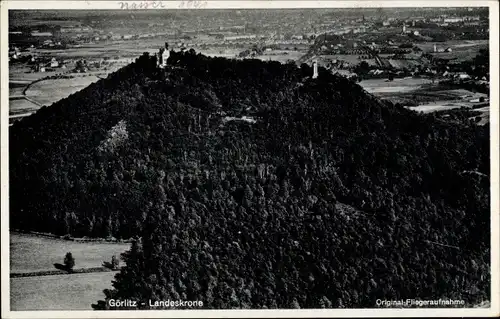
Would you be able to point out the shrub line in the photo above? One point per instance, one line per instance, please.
(62, 272)
(69, 238)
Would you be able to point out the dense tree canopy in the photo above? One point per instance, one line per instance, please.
(322, 196)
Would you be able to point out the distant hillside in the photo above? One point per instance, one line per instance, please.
(253, 185)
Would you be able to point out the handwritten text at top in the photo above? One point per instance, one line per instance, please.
(137, 5)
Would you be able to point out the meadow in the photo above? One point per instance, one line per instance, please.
(281, 55)
(398, 85)
(110, 49)
(422, 95)
(455, 45)
(353, 59)
(21, 106)
(29, 253)
(461, 50)
(60, 292)
(438, 106)
(49, 91)
(485, 115)
(430, 93)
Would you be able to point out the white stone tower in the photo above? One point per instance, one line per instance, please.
(315, 69)
(435, 47)
(404, 27)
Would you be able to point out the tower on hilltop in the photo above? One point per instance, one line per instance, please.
(315, 69)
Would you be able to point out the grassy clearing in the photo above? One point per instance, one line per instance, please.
(461, 50)
(421, 95)
(61, 292)
(353, 59)
(30, 253)
(16, 90)
(485, 115)
(397, 86)
(49, 91)
(21, 106)
(22, 73)
(400, 64)
(455, 45)
(129, 48)
(281, 55)
(221, 52)
(429, 95)
(438, 106)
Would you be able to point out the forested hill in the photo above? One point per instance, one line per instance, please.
(252, 184)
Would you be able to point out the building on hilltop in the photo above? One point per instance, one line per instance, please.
(162, 56)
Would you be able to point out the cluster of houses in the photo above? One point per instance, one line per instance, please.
(38, 66)
(14, 53)
(440, 50)
(413, 64)
(442, 20)
(464, 76)
(51, 44)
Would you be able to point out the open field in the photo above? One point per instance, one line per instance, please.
(485, 115)
(439, 106)
(16, 88)
(449, 105)
(30, 253)
(431, 93)
(421, 95)
(59, 292)
(353, 59)
(130, 48)
(457, 56)
(447, 100)
(461, 50)
(20, 106)
(407, 84)
(221, 52)
(121, 48)
(400, 64)
(49, 91)
(22, 74)
(455, 45)
(281, 55)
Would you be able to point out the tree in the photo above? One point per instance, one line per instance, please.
(115, 262)
(362, 68)
(69, 261)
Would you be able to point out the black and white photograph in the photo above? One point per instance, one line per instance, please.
(167, 156)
